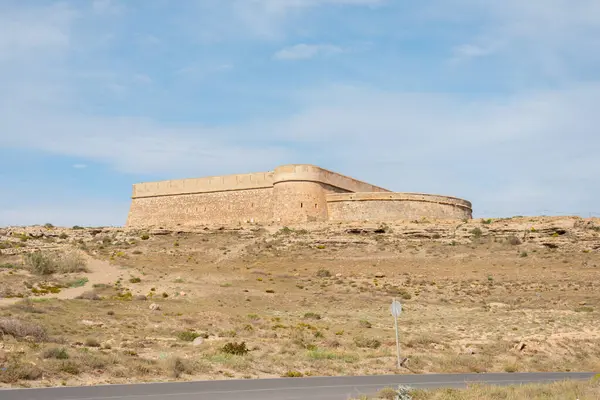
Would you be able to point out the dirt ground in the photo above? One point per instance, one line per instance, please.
(518, 294)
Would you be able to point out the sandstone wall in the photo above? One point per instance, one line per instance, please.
(258, 180)
(290, 194)
(226, 207)
(395, 206)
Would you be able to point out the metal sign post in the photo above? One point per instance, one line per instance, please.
(396, 309)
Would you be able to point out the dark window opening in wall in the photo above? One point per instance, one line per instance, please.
(301, 205)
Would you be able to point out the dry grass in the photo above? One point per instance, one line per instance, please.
(469, 304)
(567, 390)
(48, 263)
(21, 329)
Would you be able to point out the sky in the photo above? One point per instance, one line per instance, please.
(493, 102)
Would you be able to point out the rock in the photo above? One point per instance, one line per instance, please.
(154, 307)
(520, 346)
(91, 323)
(198, 341)
(582, 303)
(182, 293)
(141, 297)
(338, 275)
(379, 275)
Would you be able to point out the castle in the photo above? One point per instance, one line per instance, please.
(291, 194)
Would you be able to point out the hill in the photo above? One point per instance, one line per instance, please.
(97, 305)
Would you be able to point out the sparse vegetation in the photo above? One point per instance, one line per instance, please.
(370, 343)
(238, 349)
(565, 390)
(20, 329)
(323, 273)
(476, 306)
(187, 336)
(59, 353)
(46, 263)
(476, 232)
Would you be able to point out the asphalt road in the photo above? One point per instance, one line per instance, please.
(318, 388)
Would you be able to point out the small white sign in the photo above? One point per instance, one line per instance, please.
(396, 308)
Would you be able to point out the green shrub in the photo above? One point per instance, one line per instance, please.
(145, 236)
(476, 232)
(187, 336)
(57, 353)
(235, 348)
(312, 315)
(78, 282)
(293, 374)
(135, 280)
(365, 324)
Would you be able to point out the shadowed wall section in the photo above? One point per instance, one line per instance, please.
(290, 194)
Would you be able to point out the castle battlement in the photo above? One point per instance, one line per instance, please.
(289, 194)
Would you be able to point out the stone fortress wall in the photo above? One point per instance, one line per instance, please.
(290, 194)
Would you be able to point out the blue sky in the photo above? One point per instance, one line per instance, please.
(495, 102)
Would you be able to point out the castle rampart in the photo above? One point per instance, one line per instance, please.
(290, 194)
(395, 206)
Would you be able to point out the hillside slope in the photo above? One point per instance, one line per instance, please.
(519, 294)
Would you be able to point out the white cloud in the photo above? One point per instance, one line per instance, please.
(468, 51)
(142, 79)
(269, 18)
(304, 51)
(510, 154)
(446, 144)
(107, 7)
(550, 38)
(29, 31)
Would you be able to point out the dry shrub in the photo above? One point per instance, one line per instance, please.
(20, 329)
(16, 371)
(89, 295)
(92, 342)
(40, 263)
(369, 343)
(56, 353)
(71, 262)
(46, 263)
(387, 394)
(589, 390)
(26, 305)
(513, 240)
(177, 366)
